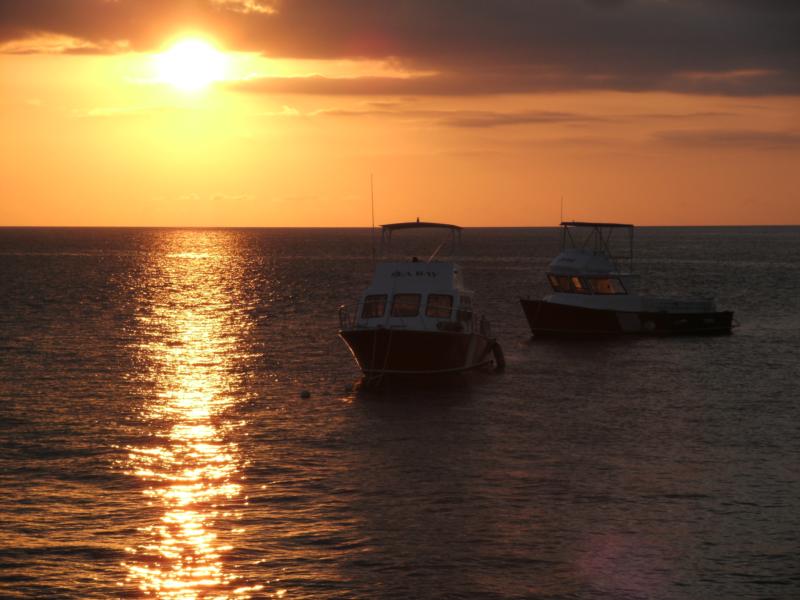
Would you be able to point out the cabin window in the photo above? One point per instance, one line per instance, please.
(579, 285)
(405, 305)
(374, 306)
(560, 283)
(607, 285)
(439, 306)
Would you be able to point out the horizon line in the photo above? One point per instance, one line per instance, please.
(555, 226)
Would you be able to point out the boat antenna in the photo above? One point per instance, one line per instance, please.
(372, 202)
(562, 210)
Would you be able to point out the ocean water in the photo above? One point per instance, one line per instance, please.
(154, 442)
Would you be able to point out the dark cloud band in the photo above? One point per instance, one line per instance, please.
(735, 47)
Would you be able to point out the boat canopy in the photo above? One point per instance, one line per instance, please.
(602, 239)
(389, 228)
(593, 224)
(419, 225)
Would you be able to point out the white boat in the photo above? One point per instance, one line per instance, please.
(417, 317)
(594, 291)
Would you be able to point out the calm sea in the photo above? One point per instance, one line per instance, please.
(153, 440)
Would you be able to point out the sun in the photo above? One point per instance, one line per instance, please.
(191, 65)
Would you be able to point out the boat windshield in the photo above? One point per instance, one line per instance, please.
(439, 306)
(560, 283)
(405, 305)
(586, 285)
(374, 306)
(607, 285)
(579, 285)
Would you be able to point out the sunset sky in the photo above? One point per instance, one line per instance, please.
(478, 112)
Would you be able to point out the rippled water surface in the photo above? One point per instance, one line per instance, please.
(154, 443)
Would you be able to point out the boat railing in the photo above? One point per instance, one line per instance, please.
(347, 317)
(484, 327)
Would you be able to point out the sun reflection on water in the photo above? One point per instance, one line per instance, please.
(191, 470)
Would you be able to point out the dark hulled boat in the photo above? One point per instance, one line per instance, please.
(595, 294)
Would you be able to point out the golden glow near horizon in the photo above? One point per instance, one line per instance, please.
(172, 139)
(191, 64)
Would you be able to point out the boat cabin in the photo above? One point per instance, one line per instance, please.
(592, 260)
(416, 293)
(596, 293)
